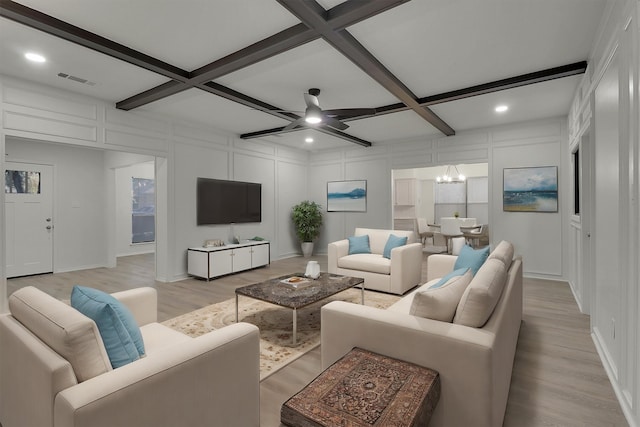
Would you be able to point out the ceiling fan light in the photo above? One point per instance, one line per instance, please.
(312, 115)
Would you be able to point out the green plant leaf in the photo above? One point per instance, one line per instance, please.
(307, 219)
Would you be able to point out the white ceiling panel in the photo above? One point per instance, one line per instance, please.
(543, 100)
(187, 34)
(195, 105)
(114, 79)
(392, 127)
(282, 80)
(431, 46)
(441, 45)
(321, 141)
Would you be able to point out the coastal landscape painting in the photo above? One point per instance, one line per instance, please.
(347, 196)
(530, 189)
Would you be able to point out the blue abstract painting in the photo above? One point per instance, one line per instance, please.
(530, 189)
(347, 196)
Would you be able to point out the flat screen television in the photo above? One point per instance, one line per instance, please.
(225, 202)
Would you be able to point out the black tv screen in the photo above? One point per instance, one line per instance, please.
(225, 202)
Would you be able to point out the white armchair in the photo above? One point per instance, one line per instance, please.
(49, 352)
(397, 275)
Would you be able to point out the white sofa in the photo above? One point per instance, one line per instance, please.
(475, 363)
(396, 275)
(210, 380)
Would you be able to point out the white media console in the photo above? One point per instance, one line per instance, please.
(218, 261)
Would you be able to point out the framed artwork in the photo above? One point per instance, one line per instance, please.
(533, 189)
(347, 196)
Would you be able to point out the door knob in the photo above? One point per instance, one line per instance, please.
(49, 227)
(48, 219)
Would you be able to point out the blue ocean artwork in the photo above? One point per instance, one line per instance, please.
(531, 189)
(347, 196)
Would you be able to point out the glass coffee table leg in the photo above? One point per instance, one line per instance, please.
(295, 325)
(236, 308)
(362, 292)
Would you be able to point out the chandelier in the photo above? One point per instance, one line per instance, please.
(451, 175)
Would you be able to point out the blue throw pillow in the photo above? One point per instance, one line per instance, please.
(393, 242)
(471, 258)
(359, 245)
(445, 279)
(119, 331)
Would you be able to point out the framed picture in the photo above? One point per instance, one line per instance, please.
(530, 189)
(347, 196)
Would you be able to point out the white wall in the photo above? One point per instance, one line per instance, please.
(538, 237)
(183, 152)
(604, 124)
(79, 203)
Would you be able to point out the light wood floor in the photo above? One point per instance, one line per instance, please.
(558, 379)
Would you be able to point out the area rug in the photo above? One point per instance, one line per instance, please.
(275, 323)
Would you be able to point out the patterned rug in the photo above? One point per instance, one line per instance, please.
(275, 323)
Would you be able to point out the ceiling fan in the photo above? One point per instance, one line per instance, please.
(313, 114)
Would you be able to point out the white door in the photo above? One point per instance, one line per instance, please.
(28, 218)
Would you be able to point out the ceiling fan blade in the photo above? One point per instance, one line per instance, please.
(334, 123)
(350, 112)
(294, 124)
(311, 100)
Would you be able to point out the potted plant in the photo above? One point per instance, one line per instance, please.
(307, 219)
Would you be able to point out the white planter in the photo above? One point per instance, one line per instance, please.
(307, 249)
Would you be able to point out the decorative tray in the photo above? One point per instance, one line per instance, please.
(295, 281)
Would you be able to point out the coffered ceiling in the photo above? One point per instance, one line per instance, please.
(428, 67)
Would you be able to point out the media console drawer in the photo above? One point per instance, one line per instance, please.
(218, 261)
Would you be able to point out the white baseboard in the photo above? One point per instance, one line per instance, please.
(613, 375)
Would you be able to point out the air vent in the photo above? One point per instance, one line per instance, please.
(76, 79)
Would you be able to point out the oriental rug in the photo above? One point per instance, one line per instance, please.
(275, 323)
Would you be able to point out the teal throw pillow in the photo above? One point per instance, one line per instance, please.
(471, 258)
(445, 279)
(359, 245)
(119, 331)
(393, 242)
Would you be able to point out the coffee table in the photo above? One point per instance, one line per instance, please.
(300, 294)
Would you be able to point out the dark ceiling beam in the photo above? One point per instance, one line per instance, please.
(482, 89)
(353, 11)
(314, 16)
(50, 25)
(246, 100)
(347, 13)
(495, 86)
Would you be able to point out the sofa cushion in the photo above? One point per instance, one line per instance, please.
(393, 242)
(114, 322)
(378, 237)
(373, 263)
(359, 245)
(503, 252)
(68, 332)
(471, 258)
(440, 303)
(480, 298)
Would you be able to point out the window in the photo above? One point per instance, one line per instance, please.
(143, 210)
(23, 182)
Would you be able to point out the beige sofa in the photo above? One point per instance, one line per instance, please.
(51, 356)
(474, 363)
(396, 275)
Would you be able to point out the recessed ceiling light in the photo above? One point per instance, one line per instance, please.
(501, 108)
(308, 139)
(35, 57)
